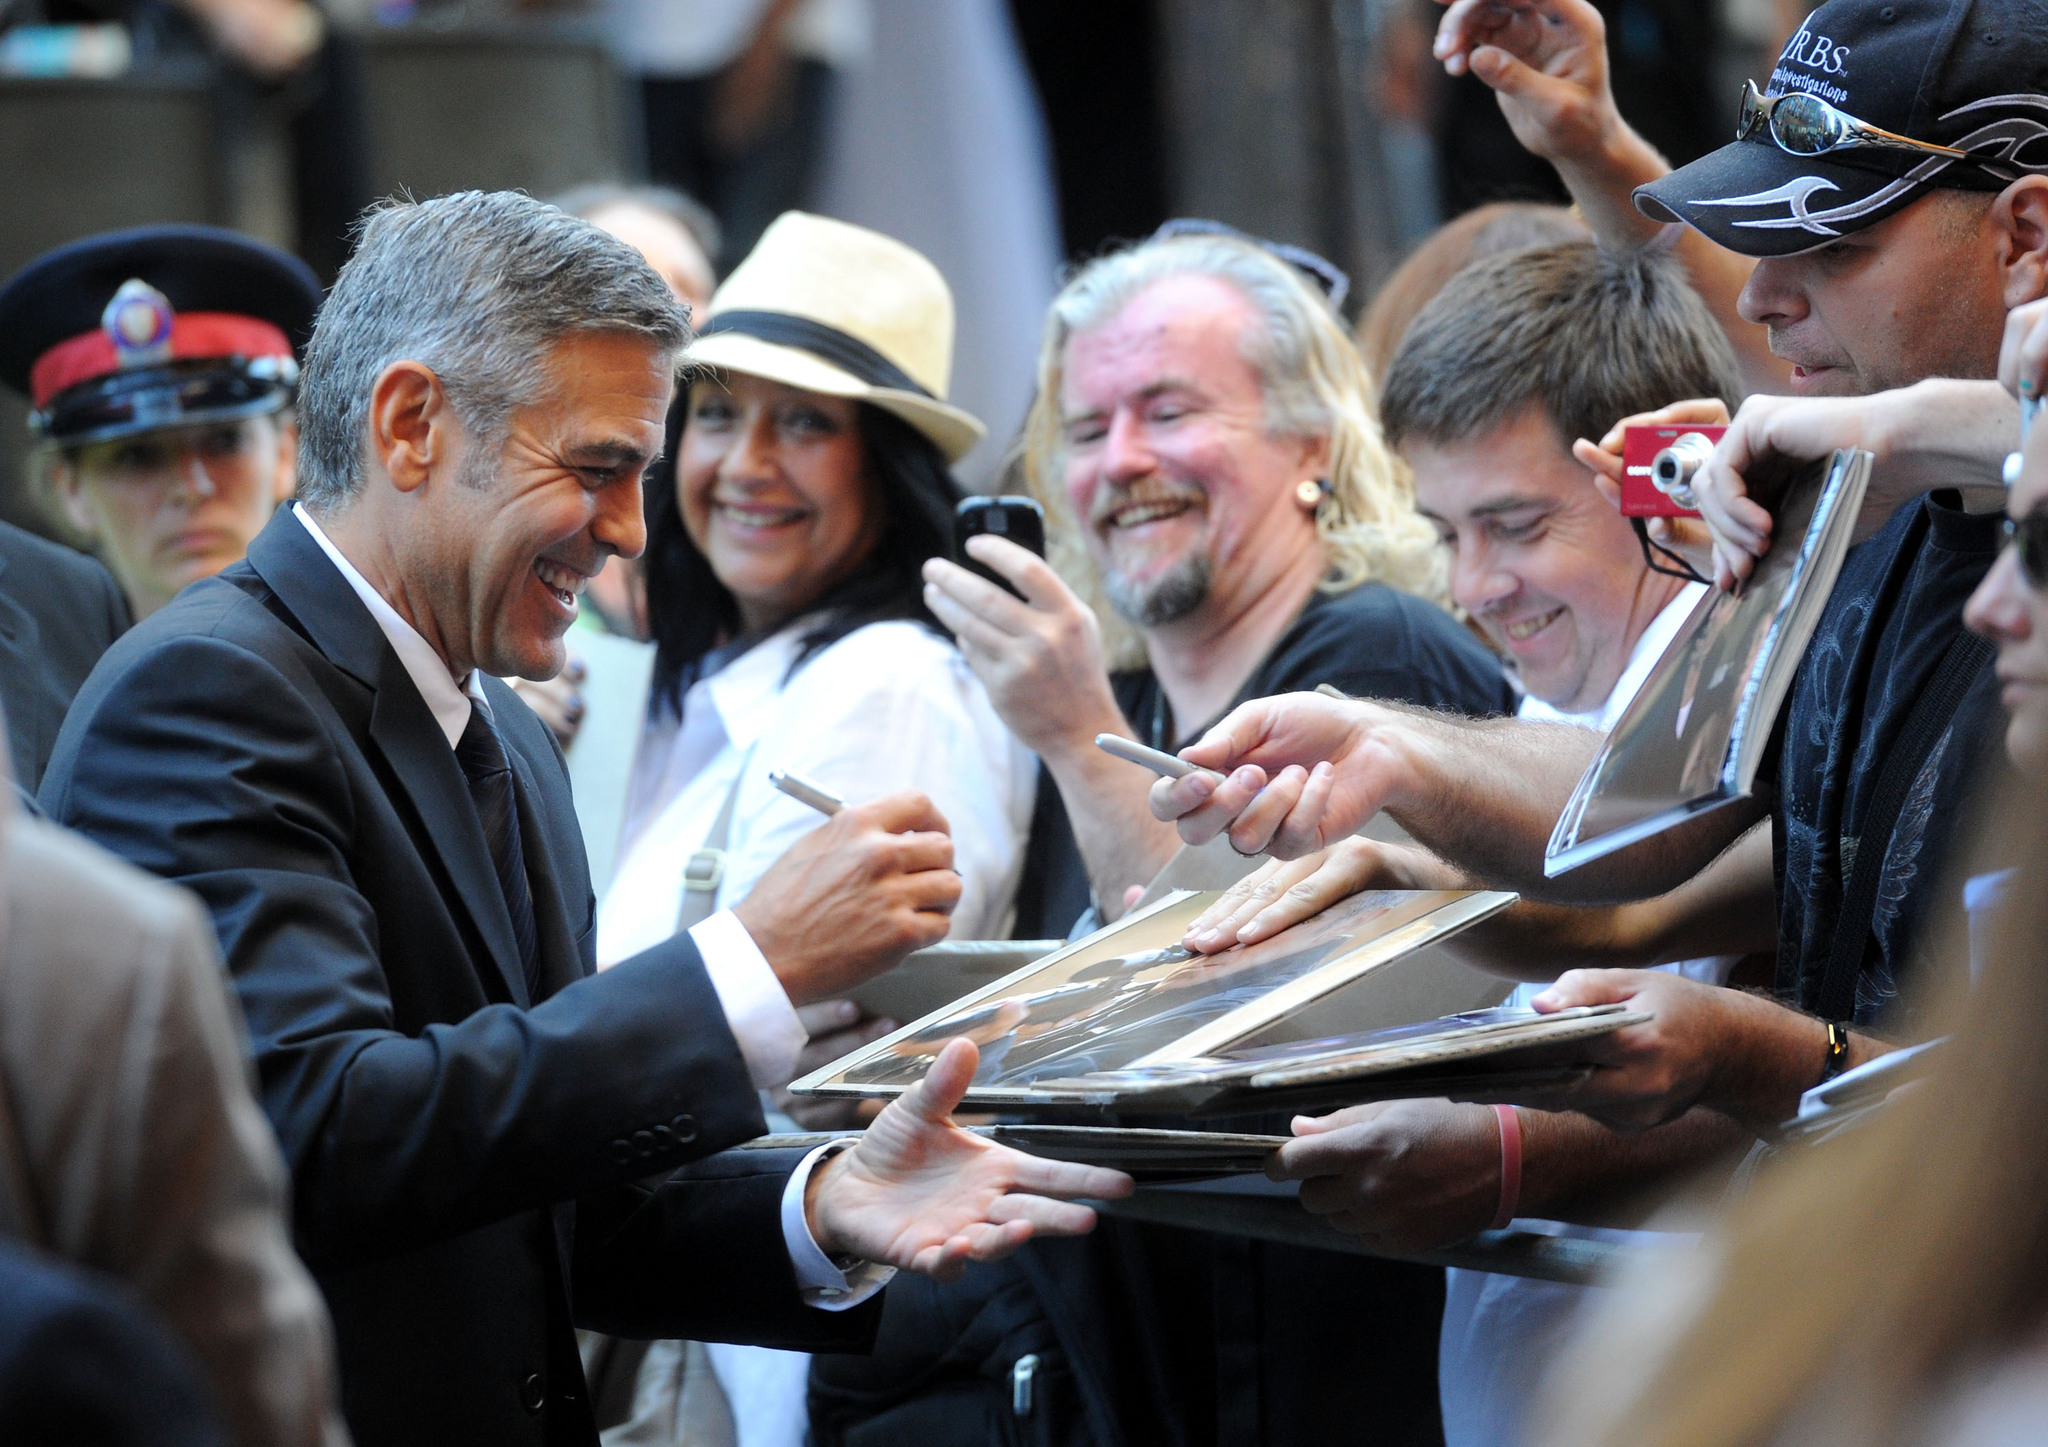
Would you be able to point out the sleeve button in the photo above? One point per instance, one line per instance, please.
(533, 1392)
(622, 1151)
(685, 1127)
(643, 1143)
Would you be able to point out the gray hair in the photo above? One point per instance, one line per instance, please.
(1280, 346)
(1312, 382)
(476, 286)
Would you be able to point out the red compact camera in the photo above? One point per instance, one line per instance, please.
(1658, 465)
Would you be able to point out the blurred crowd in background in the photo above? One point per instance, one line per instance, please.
(999, 140)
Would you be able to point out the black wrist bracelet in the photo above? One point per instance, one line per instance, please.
(1838, 1052)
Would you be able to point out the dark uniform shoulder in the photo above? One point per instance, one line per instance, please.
(52, 567)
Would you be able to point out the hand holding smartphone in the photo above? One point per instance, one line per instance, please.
(1019, 519)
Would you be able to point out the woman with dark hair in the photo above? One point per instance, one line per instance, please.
(785, 600)
(784, 594)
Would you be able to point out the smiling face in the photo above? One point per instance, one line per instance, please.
(169, 508)
(774, 489)
(1918, 295)
(1539, 559)
(1181, 493)
(2009, 610)
(507, 536)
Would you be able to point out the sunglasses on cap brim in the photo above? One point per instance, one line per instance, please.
(1805, 125)
(182, 394)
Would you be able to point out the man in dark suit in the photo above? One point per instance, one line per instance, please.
(59, 612)
(485, 1135)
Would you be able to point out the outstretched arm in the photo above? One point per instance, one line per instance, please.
(1304, 770)
(1727, 909)
(1938, 433)
(1743, 1055)
(1423, 1174)
(1546, 61)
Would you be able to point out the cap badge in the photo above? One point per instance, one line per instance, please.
(138, 322)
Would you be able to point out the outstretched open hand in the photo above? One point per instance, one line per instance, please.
(920, 1193)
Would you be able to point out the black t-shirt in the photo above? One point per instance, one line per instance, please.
(1370, 641)
(1894, 613)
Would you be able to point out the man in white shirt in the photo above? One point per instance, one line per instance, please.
(1517, 359)
(489, 1142)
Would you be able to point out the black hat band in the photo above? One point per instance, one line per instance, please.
(842, 349)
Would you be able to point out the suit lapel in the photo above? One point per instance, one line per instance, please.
(401, 725)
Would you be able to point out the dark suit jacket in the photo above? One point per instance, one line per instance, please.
(464, 1160)
(84, 1364)
(59, 611)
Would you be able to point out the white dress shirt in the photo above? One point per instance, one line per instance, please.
(740, 975)
(1500, 1332)
(889, 707)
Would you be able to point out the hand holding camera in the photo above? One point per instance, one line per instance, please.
(1659, 464)
(1670, 524)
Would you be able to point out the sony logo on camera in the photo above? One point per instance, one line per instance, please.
(1816, 52)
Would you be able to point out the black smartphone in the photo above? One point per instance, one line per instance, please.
(1019, 519)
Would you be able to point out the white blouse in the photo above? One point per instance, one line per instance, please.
(889, 707)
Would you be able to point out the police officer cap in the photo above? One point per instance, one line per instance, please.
(162, 326)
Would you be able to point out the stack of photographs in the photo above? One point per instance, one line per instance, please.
(1476, 1055)
(1130, 1021)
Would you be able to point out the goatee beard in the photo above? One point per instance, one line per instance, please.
(1175, 593)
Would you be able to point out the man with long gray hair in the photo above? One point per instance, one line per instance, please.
(484, 1134)
(1204, 444)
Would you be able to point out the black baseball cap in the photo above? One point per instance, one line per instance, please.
(1969, 74)
(160, 326)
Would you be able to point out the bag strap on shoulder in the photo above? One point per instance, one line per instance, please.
(704, 870)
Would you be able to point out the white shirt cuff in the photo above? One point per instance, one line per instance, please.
(818, 1281)
(759, 1014)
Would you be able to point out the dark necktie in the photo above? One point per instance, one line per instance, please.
(484, 765)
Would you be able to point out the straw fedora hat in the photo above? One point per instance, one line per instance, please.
(845, 311)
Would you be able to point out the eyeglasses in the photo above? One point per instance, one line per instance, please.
(1329, 278)
(2030, 535)
(1806, 125)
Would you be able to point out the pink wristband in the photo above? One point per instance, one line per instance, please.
(1510, 1165)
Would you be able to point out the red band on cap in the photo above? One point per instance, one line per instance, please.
(195, 336)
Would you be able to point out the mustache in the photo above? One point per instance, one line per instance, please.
(1146, 492)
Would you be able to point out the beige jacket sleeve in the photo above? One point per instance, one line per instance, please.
(129, 1139)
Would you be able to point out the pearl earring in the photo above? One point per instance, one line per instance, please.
(1310, 492)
